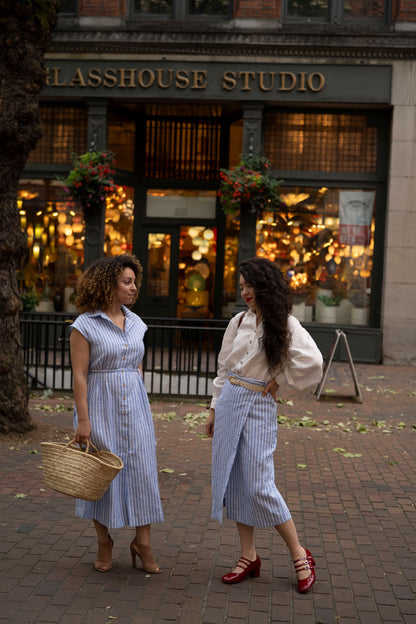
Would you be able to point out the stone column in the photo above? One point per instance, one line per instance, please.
(399, 310)
(252, 141)
(95, 221)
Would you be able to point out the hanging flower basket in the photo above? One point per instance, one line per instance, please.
(91, 180)
(249, 186)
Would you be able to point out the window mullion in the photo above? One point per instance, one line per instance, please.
(336, 11)
(180, 9)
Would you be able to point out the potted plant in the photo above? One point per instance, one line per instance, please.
(249, 186)
(299, 286)
(327, 311)
(90, 180)
(359, 310)
(29, 299)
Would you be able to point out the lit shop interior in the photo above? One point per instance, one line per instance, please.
(322, 237)
(328, 265)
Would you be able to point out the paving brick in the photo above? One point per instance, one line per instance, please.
(356, 514)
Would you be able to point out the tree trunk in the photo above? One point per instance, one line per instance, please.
(25, 32)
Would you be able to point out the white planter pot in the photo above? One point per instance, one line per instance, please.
(343, 312)
(326, 314)
(45, 306)
(298, 310)
(308, 313)
(360, 316)
(69, 307)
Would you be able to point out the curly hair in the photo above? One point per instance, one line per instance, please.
(98, 284)
(274, 300)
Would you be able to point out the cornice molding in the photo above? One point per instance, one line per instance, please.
(380, 46)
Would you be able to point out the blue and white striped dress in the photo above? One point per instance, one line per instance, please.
(244, 441)
(245, 429)
(121, 421)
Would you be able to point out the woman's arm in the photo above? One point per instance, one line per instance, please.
(80, 358)
(209, 425)
(304, 367)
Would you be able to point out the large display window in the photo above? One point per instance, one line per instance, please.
(323, 241)
(55, 232)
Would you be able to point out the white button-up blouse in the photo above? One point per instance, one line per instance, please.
(241, 353)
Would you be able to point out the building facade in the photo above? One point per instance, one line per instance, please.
(179, 89)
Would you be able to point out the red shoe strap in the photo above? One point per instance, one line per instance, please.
(244, 563)
(304, 563)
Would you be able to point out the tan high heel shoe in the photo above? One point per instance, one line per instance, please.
(140, 551)
(104, 555)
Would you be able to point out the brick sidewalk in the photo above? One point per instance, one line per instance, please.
(347, 470)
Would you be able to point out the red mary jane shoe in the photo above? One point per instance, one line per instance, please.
(249, 567)
(305, 563)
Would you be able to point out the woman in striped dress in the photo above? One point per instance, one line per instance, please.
(111, 405)
(262, 348)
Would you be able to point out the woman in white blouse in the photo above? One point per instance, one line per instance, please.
(262, 348)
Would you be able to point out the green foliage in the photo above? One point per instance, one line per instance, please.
(29, 300)
(330, 300)
(249, 185)
(90, 180)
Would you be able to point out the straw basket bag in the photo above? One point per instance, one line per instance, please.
(77, 472)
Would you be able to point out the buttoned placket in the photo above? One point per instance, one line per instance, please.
(124, 410)
(245, 358)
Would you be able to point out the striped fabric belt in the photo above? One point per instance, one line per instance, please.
(114, 370)
(245, 384)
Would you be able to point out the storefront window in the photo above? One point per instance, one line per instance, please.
(156, 7)
(323, 241)
(179, 9)
(364, 8)
(196, 275)
(180, 204)
(183, 146)
(121, 139)
(229, 299)
(159, 247)
(209, 7)
(330, 142)
(64, 134)
(55, 249)
(119, 216)
(337, 11)
(55, 233)
(68, 7)
(306, 8)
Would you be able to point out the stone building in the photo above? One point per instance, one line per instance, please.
(179, 89)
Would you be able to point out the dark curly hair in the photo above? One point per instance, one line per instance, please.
(97, 288)
(274, 300)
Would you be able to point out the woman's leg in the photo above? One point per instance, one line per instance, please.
(248, 563)
(289, 534)
(141, 547)
(247, 535)
(105, 546)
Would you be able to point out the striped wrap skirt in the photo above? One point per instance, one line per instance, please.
(243, 481)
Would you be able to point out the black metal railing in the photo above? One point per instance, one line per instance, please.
(180, 358)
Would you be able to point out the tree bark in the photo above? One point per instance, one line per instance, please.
(26, 28)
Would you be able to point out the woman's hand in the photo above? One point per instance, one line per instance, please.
(271, 387)
(209, 425)
(83, 432)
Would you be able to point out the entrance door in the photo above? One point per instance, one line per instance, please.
(178, 271)
(159, 257)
